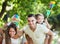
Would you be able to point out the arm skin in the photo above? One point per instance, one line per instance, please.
(47, 24)
(29, 40)
(49, 37)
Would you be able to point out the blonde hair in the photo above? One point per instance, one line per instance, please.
(36, 16)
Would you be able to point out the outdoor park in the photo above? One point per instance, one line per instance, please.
(49, 8)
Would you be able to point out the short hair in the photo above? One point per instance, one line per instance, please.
(36, 16)
(31, 15)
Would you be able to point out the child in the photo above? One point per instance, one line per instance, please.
(40, 20)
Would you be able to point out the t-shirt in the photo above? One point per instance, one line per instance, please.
(38, 36)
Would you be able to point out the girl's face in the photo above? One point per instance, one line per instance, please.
(40, 19)
(12, 32)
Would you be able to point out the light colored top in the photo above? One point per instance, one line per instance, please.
(38, 36)
(24, 39)
(14, 41)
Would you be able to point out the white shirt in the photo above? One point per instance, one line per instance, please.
(38, 36)
(14, 41)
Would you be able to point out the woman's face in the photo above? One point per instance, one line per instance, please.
(12, 32)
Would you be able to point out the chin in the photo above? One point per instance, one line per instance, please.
(12, 36)
(32, 25)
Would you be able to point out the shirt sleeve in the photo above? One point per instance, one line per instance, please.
(45, 29)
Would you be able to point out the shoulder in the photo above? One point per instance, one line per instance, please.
(25, 27)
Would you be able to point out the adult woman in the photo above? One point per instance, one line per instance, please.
(10, 38)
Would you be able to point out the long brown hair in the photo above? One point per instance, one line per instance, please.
(7, 36)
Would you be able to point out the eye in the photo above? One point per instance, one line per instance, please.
(28, 20)
(32, 20)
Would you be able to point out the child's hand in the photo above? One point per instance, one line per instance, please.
(47, 24)
(46, 21)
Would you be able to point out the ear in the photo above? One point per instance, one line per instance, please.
(35, 20)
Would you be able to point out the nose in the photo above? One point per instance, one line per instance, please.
(11, 32)
(30, 23)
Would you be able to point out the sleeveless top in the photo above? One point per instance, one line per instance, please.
(14, 41)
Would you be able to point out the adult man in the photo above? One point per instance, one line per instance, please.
(35, 31)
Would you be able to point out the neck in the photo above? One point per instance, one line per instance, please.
(33, 27)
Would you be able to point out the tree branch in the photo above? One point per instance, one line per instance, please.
(3, 8)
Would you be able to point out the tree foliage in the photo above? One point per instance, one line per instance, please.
(25, 7)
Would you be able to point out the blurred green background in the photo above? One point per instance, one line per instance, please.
(24, 7)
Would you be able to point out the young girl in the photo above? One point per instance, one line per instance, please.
(40, 20)
(10, 38)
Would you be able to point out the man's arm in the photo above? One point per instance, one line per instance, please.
(29, 40)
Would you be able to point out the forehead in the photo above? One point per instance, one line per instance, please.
(11, 29)
(41, 16)
(31, 18)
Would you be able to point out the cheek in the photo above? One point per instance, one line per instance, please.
(42, 19)
(34, 22)
(9, 33)
(12, 33)
(28, 22)
(38, 20)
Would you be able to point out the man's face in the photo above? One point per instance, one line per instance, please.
(31, 21)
